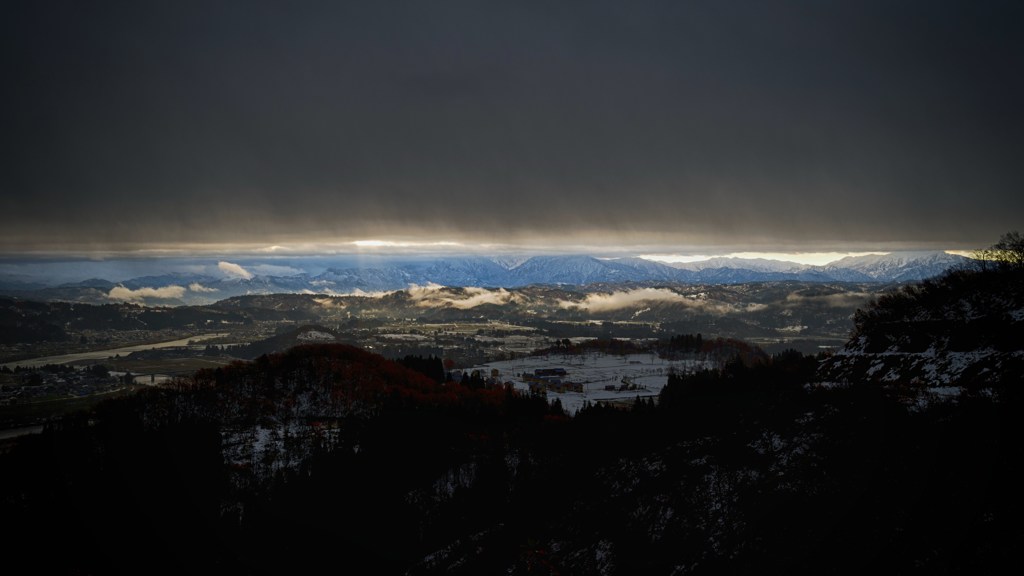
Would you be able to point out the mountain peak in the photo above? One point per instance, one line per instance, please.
(383, 274)
(901, 266)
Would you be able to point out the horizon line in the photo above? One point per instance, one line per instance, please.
(806, 258)
(810, 253)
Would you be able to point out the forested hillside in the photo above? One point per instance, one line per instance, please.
(964, 328)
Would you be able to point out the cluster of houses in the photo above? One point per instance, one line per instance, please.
(626, 384)
(551, 380)
(68, 384)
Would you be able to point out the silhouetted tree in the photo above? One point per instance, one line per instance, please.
(99, 371)
(1007, 252)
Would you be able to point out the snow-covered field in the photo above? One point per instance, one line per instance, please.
(595, 371)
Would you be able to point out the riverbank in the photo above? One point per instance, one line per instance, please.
(110, 352)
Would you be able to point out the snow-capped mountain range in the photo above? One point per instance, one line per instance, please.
(507, 272)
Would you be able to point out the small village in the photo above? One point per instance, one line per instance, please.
(57, 382)
(574, 379)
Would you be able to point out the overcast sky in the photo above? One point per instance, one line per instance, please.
(680, 124)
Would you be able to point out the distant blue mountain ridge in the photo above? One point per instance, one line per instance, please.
(500, 272)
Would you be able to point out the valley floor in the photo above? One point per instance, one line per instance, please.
(600, 377)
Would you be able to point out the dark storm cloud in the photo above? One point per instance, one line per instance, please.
(162, 122)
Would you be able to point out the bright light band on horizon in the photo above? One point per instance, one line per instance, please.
(809, 258)
(393, 244)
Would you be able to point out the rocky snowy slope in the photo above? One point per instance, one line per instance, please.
(964, 329)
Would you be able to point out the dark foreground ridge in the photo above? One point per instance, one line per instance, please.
(329, 456)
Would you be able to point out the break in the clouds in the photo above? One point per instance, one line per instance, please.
(754, 124)
(233, 270)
